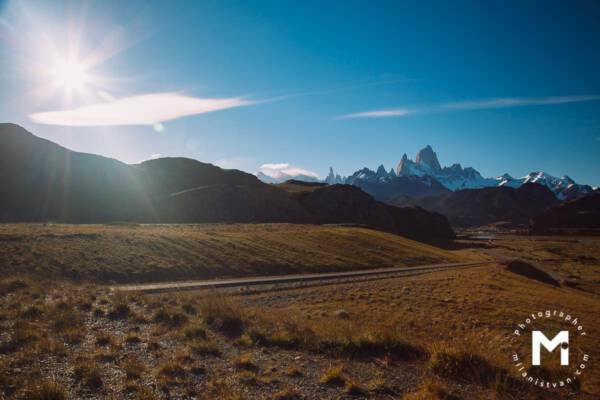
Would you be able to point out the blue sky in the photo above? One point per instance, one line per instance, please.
(503, 87)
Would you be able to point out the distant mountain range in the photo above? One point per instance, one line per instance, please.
(42, 181)
(425, 177)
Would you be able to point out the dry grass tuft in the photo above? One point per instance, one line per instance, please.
(334, 376)
(89, 373)
(32, 313)
(105, 339)
(65, 320)
(120, 307)
(24, 334)
(287, 394)
(144, 393)
(133, 368)
(133, 338)
(245, 362)
(12, 286)
(222, 315)
(432, 389)
(48, 390)
(465, 367)
(354, 388)
(170, 319)
(195, 332)
(172, 370)
(205, 347)
(340, 338)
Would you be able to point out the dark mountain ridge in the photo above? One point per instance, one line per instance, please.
(475, 207)
(46, 182)
(579, 214)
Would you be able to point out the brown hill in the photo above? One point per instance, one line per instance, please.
(582, 214)
(46, 182)
(474, 207)
(348, 204)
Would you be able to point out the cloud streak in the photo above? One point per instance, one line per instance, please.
(398, 112)
(146, 109)
(516, 102)
(484, 104)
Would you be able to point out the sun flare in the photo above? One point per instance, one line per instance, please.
(70, 74)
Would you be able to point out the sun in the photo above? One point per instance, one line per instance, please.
(70, 74)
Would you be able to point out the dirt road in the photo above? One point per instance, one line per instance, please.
(287, 279)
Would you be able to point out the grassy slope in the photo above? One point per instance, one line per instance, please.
(471, 311)
(140, 253)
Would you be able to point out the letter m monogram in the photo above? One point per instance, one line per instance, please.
(538, 339)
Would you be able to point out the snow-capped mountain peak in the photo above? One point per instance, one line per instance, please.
(564, 187)
(426, 168)
(427, 159)
(454, 177)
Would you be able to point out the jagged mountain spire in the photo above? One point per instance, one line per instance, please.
(429, 157)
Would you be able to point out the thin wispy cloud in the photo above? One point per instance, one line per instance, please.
(503, 102)
(146, 109)
(399, 112)
(516, 102)
(340, 89)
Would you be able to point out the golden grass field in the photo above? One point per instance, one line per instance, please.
(437, 335)
(144, 253)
